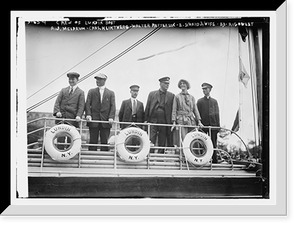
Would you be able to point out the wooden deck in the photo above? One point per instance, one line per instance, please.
(101, 162)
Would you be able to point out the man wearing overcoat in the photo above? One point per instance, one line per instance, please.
(210, 116)
(100, 105)
(159, 110)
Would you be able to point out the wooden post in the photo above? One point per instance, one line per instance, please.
(79, 154)
(43, 146)
(115, 149)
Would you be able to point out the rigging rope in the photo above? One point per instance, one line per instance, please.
(226, 72)
(101, 67)
(80, 62)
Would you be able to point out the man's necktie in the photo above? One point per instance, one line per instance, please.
(134, 107)
(70, 93)
(100, 96)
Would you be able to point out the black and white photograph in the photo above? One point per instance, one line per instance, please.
(144, 108)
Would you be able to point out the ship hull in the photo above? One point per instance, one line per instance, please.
(146, 187)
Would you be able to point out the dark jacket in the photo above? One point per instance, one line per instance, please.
(100, 111)
(125, 113)
(153, 103)
(209, 111)
(70, 106)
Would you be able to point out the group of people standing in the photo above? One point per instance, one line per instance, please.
(162, 107)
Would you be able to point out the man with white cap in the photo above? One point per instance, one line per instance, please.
(100, 105)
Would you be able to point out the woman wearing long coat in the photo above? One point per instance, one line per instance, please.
(185, 111)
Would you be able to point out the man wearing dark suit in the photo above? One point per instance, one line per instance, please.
(69, 103)
(159, 110)
(100, 105)
(132, 110)
(209, 112)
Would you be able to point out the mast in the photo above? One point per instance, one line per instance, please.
(258, 74)
(255, 77)
(256, 81)
(253, 83)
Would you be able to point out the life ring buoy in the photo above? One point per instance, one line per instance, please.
(129, 135)
(62, 130)
(198, 140)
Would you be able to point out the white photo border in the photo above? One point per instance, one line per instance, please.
(275, 205)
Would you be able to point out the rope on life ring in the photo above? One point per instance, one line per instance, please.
(62, 130)
(197, 139)
(129, 135)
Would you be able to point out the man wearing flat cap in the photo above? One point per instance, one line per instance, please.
(209, 112)
(132, 110)
(100, 105)
(69, 104)
(159, 110)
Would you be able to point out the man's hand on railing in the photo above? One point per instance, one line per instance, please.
(89, 118)
(174, 125)
(78, 118)
(200, 124)
(110, 120)
(58, 115)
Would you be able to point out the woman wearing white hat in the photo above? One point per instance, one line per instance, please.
(185, 111)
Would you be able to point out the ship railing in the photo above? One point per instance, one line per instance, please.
(174, 153)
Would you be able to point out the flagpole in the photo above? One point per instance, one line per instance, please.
(253, 86)
(241, 129)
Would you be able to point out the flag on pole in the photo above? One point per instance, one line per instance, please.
(243, 75)
(243, 32)
(236, 123)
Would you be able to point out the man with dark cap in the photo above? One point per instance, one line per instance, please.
(70, 101)
(209, 112)
(69, 104)
(132, 110)
(100, 105)
(159, 110)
